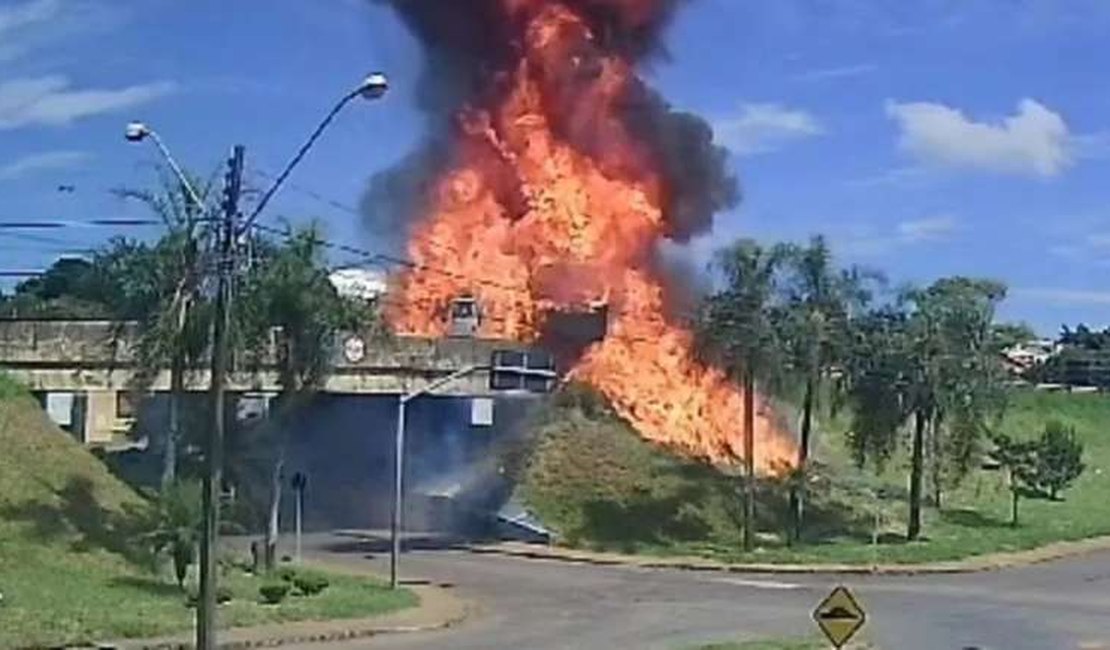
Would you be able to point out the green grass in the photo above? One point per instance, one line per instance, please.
(785, 644)
(69, 569)
(601, 487)
(774, 644)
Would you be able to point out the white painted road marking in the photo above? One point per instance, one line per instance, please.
(759, 584)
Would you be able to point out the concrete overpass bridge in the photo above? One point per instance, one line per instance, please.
(84, 371)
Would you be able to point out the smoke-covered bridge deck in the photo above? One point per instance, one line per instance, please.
(100, 356)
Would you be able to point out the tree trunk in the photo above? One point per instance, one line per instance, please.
(173, 433)
(749, 460)
(935, 452)
(798, 490)
(913, 530)
(1014, 496)
(272, 529)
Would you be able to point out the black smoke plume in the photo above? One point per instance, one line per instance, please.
(470, 44)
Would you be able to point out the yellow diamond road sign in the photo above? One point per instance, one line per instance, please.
(839, 616)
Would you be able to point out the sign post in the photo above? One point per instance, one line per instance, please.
(300, 481)
(839, 617)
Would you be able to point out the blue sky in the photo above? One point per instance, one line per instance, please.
(925, 138)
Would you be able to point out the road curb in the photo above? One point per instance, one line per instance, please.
(456, 611)
(982, 563)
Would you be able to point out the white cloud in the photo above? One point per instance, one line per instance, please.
(1065, 251)
(16, 20)
(50, 101)
(1034, 141)
(1062, 296)
(1100, 240)
(929, 229)
(42, 161)
(839, 72)
(894, 177)
(15, 17)
(866, 241)
(760, 128)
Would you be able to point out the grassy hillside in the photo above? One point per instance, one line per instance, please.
(64, 524)
(599, 485)
(73, 567)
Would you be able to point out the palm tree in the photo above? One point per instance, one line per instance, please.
(176, 526)
(739, 332)
(822, 300)
(162, 289)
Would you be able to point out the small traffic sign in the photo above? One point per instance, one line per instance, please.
(839, 616)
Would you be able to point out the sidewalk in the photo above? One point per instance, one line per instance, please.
(989, 562)
(438, 609)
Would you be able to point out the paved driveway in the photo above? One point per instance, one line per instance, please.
(549, 605)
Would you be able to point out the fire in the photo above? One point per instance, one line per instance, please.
(552, 203)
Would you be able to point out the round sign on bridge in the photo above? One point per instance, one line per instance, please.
(354, 349)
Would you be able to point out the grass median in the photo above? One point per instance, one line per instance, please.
(73, 569)
(779, 644)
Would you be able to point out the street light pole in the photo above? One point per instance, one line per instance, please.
(399, 463)
(138, 131)
(374, 86)
(398, 485)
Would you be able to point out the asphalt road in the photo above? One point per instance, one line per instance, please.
(548, 605)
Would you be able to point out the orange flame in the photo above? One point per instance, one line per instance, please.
(528, 223)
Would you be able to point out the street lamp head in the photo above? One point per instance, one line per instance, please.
(374, 86)
(136, 132)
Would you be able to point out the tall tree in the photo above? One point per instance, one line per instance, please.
(738, 330)
(875, 383)
(69, 288)
(288, 294)
(821, 302)
(929, 359)
(164, 292)
(956, 317)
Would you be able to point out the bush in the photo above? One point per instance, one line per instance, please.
(176, 526)
(230, 563)
(286, 574)
(274, 592)
(1059, 458)
(310, 584)
(224, 595)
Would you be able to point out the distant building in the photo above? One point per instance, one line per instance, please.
(360, 284)
(1024, 356)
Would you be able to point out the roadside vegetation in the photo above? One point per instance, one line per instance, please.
(76, 552)
(914, 446)
(602, 487)
(781, 644)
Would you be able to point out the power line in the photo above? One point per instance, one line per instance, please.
(42, 239)
(395, 261)
(91, 223)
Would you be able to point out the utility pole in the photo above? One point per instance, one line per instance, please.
(749, 460)
(206, 611)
